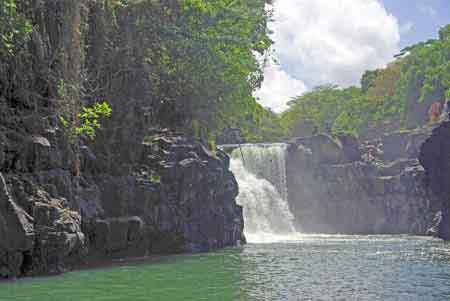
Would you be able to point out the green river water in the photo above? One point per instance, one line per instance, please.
(313, 267)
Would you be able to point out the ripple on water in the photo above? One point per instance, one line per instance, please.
(353, 268)
(314, 267)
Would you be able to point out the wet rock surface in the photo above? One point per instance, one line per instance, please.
(434, 156)
(61, 206)
(352, 194)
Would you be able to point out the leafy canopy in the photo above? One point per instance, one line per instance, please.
(15, 29)
(391, 98)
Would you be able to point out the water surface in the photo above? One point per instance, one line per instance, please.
(316, 267)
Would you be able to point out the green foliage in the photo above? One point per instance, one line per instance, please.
(212, 145)
(201, 53)
(187, 65)
(154, 178)
(88, 121)
(256, 123)
(231, 31)
(15, 29)
(62, 89)
(190, 65)
(368, 79)
(425, 78)
(444, 33)
(329, 107)
(358, 112)
(390, 99)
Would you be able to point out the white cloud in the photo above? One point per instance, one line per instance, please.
(326, 41)
(278, 88)
(329, 41)
(406, 28)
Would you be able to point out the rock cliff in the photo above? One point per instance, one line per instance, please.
(332, 189)
(176, 197)
(434, 156)
(134, 191)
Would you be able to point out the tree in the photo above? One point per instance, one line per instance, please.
(395, 97)
(186, 62)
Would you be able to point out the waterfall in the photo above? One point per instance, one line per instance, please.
(260, 171)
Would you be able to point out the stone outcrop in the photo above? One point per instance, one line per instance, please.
(67, 201)
(341, 193)
(350, 148)
(63, 206)
(323, 149)
(41, 240)
(405, 144)
(434, 156)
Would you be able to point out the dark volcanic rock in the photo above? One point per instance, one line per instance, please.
(434, 156)
(16, 233)
(324, 149)
(177, 196)
(394, 145)
(119, 237)
(331, 196)
(396, 167)
(132, 191)
(16, 226)
(45, 240)
(405, 144)
(350, 147)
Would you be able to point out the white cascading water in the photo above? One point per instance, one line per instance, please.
(260, 171)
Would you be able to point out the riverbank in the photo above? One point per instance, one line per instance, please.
(175, 196)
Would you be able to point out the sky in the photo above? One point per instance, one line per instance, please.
(334, 41)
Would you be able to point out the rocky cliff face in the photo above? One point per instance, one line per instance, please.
(333, 190)
(133, 191)
(176, 197)
(434, 156)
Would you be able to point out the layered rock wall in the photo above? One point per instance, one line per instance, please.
(177, 197)
(134, 191)
(435, 157)
(332, 190)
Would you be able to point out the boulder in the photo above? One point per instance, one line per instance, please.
(16, 232)
(16, 226)
(118, 234)
(38, 153)
(325, 149)
(135, 229)
(394, 145)
(57, 251)
(122, 236)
